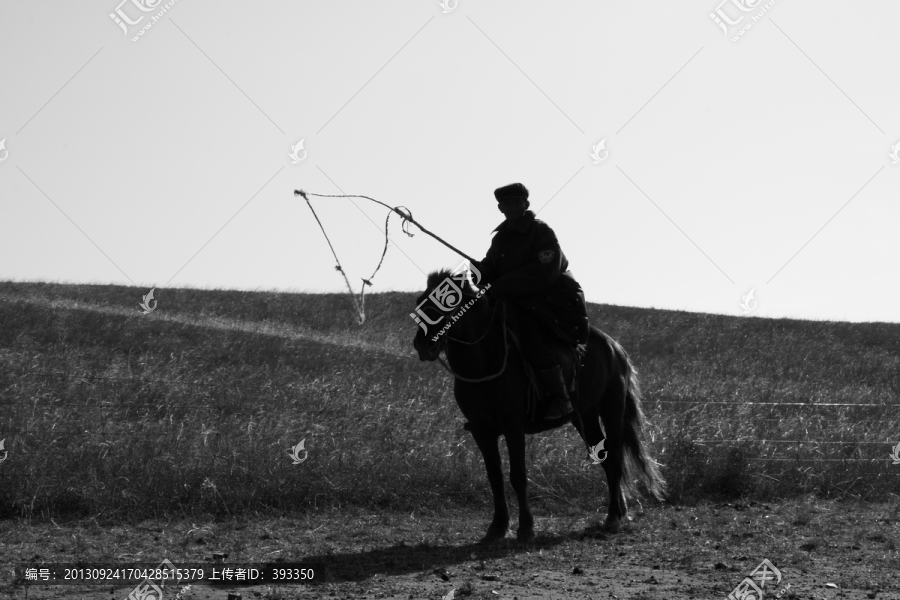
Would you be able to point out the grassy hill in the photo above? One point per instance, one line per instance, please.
(193, 408)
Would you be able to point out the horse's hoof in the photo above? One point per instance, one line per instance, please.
(493, 535)
(612, 526)
(525, 536)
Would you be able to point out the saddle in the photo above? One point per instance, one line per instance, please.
(567, 356)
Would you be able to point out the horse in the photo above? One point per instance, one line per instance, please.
(491, 388)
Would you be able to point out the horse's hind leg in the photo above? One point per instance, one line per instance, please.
(612, 464)
(612, 411)
(487, 443)
(515, 443)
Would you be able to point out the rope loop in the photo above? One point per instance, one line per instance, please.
(406, 217)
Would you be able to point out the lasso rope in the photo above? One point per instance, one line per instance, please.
(407, 218)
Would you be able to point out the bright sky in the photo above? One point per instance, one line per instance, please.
(758, 164)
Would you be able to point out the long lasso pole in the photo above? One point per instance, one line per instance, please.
(404, 213)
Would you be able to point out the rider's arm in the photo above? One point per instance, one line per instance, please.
(487, 268)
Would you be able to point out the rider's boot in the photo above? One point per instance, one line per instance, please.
(555, 386)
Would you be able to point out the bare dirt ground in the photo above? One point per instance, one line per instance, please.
(824, 550)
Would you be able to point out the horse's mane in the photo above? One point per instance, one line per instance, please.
(437, 277)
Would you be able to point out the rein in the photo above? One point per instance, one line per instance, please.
(533, 392)
(505, 352)
(486, 331)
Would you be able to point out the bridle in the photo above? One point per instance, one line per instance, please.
(487, 330)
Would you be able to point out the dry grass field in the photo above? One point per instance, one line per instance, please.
(193, 407)
(112, 417)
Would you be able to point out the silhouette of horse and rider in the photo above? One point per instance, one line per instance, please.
(525, 360)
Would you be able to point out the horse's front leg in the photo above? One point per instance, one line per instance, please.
(515, 442)
(487, 443)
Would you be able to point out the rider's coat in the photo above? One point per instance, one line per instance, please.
(526, 266)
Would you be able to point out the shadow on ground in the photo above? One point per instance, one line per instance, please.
(402, 559)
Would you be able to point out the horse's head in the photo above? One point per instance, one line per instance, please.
(435, 318)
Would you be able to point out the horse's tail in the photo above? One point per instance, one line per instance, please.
(633, 446)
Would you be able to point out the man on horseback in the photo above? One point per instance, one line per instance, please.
(526, 267)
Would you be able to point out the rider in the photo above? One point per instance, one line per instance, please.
(526, 266)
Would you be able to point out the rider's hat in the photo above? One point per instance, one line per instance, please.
(513, 190)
